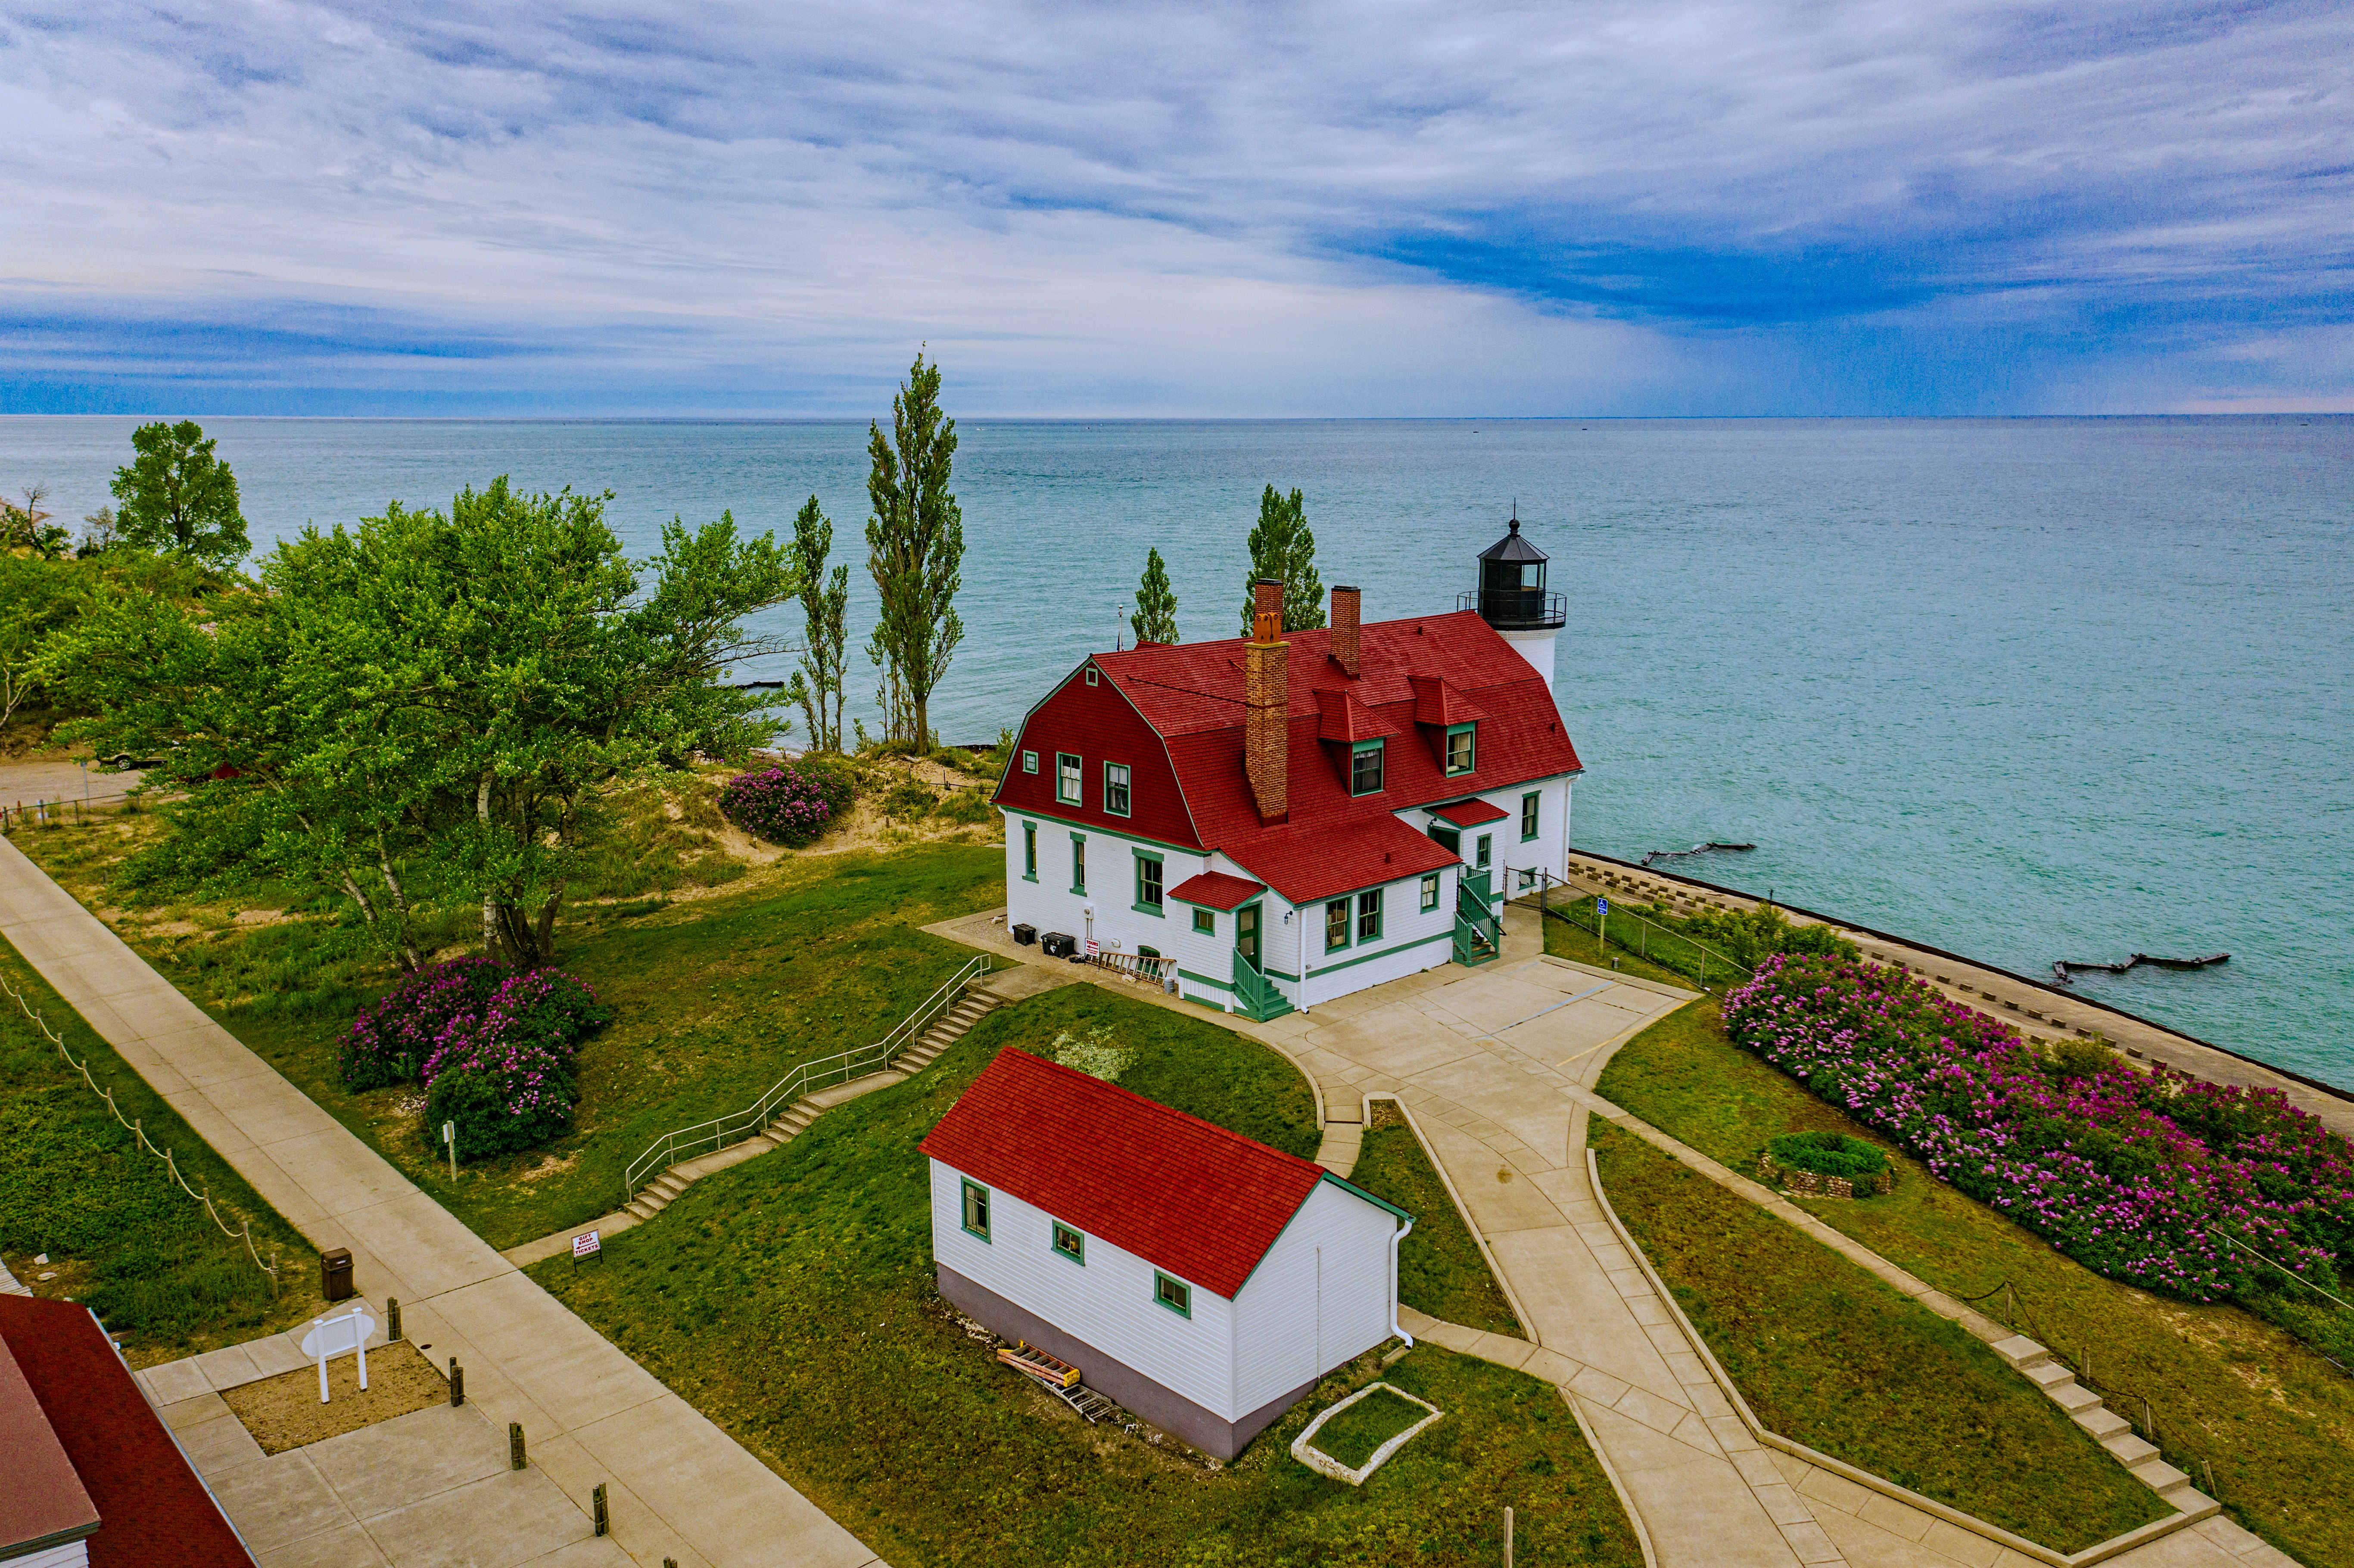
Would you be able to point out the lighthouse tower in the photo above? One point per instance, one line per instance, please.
(1512, 598)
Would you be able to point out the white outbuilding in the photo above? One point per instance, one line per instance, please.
(1200, 1278)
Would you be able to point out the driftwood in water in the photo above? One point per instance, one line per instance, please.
(1696, 849)
(2064, 969)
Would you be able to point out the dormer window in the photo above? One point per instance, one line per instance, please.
(1365, 767)
(1462, 753)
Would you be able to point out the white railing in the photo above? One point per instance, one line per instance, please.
(823, 1074)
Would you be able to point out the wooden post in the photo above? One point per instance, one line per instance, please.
(604, 1525)
(457, 1383)
(392, 1320)
(1508, 1537)
(514, 1444)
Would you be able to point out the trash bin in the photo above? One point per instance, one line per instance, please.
(336, 1275)
(1025, 934)
(1058, 945)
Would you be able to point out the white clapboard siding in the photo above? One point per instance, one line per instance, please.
(1108, 1302)
(1282, 1340)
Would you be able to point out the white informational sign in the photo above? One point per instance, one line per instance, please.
(585, 1246)
(346, 1334)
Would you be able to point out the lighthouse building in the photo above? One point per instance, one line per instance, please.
(1287, 818)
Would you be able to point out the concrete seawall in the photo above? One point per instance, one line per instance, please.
(2040, 1011)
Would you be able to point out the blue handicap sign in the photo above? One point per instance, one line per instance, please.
(1602, 906)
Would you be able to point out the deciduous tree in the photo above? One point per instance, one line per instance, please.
(1155, 619)
(825, 606)
(915, 549)
(1282, 548)
(178, 497)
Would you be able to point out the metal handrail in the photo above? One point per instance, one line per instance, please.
(1642, 950)
(823, 1073)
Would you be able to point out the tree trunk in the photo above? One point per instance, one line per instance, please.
(923, 725)
(492, 946)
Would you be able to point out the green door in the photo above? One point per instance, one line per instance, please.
(1246, 933)
(1448, 839)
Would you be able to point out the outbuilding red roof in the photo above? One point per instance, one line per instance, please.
(1216, 889)
(1471, 813)
(1185, 1195)
(1309, 863)
(152, 1511)
(42, 1503)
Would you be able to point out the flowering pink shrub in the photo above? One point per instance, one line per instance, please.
(2137, 1176)
(391, 1041)
(786, 805)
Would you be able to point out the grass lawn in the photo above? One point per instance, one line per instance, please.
(1440, 1268)
(1832, 1358)
(1652, 948)
(717, 997)
(120, 1236)
(2226, 1388)
(791, 1299)
(1564, 940)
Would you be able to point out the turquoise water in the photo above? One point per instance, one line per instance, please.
(2023, 689)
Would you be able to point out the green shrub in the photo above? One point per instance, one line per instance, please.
(1750, 936)
(1832, 1154)
(908, 799)
(967, 806)
(2080, 1058)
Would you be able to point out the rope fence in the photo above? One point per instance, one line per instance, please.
(245, 1227)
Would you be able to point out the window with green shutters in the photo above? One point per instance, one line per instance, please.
(1365, 767)
(1369, 914)
(1529, 815)
(1336, 925)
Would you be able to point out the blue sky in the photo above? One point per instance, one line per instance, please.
(1658, 209)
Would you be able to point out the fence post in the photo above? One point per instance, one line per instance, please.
(604, 1525)
(514, 1444)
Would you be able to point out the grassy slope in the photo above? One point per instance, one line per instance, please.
(1441, 1269)
(1563, 941)
(791, 1299)
(120, 1236)
(1829, 1356)
(718, 998)
(2227, 1389)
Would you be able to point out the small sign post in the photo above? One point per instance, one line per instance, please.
(449, 1137)
(1601, 936)
(332, 1337)
(586, 1245)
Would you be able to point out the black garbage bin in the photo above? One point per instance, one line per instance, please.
(1058, 945)
(1025, 934)
(336, 1275)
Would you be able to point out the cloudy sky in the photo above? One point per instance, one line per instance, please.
(1382, 208)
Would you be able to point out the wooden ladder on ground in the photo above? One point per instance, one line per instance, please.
(946, 1030)
(1058, 1378)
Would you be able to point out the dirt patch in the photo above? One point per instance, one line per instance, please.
(284, 1412)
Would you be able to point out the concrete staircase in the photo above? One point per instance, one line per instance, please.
(946, 1030)
(2112, 1431)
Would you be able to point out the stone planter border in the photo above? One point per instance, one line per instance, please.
(1323, 1464)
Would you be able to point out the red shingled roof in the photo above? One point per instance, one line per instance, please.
(1189, 1197)
(154, 1512)
(42, 1502)
(1216, 889)
(1309, 863)
(1471, 813)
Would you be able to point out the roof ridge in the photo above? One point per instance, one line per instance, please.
(1106, 1084)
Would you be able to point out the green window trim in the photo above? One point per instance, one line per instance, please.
(1369, 916)
(1091, 674)
(1469, 735)
(1151, 890)
(1486, 851)
(1336, 924)
(1070, 1243)
(1530, 803)
(1205, 921)
(1367, 757)
(1173, 1293)
(1079, 862)
(1029, 852)
(1429, 891)
(975, 1216)
(1029, 762)
(1070, 782)
(1115, 790)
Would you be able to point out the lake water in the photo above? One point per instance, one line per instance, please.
(2023, 689)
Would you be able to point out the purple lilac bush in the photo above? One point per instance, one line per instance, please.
(390, 1042)
(789, 804)
(2137, 1176)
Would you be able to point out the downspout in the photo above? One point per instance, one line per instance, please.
(1396, 1236)
(1299, 919)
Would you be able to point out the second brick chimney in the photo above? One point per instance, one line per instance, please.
(1345, 602)
(1267, 704)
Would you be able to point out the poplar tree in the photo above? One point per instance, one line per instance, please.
(915, 549)
(1155, 619)
(177, 497)
(825, 604)
(1281, 547)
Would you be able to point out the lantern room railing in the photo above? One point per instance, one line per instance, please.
(1517, 609)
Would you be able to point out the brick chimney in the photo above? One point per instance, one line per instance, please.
(1267, 704)
(1344, 628)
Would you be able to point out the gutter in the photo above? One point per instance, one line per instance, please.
(1396, 1236)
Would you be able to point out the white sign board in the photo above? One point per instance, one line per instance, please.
(346, 1334)
(585, 1246)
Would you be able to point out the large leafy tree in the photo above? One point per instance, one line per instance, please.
(178, 497)
(426, 706)
(1282, 548)
(1155, 619)
(915, 548)
(818, 685)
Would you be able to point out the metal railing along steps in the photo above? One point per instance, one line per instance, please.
(777, 1116)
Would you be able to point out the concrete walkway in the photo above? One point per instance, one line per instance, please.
(678, 1486)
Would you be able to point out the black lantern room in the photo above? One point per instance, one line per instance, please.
(1512, 596)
